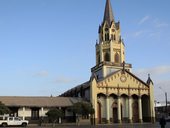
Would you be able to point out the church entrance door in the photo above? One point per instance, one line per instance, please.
(135, 112)
(115, 118)
(115, 111)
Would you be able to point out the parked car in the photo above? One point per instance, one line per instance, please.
(13, 121)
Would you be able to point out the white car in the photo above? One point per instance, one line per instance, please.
(13, 121)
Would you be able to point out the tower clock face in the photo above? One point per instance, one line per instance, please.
(123, 78)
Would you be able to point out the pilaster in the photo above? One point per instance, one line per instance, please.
(23, 111)
(130, 109)
(42, 111)
(107, 110)
(119, 110)
(140, 109)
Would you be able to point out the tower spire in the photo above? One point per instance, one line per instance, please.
(108, 14)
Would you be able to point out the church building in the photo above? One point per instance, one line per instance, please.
(116, 94)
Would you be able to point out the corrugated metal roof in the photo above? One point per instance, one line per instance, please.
(15, 101)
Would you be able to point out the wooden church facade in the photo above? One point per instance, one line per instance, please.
(116, 94)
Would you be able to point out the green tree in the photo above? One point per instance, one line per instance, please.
(54, 115)
(82, 108)
(3, 109)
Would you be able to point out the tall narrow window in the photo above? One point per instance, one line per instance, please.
(117, 58)
(114, 37)
(107, 57)
(107, 37)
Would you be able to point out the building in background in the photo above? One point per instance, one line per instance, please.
(35, 108)
(162, 109)
(116, 94)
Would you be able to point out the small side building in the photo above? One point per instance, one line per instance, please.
(33, 108)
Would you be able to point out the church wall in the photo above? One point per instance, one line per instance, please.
(43, 113)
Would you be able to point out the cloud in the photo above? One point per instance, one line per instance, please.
(155, 29)
(42, 74)
(160, 76)
(138, 33)
(144, 19)
(160, 24)
(160, 70)
(160, 88)
(157, 73)
(63, 80)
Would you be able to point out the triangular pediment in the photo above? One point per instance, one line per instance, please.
(122, 79)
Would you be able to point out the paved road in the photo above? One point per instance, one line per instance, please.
(144, 125)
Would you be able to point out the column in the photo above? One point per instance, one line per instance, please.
(140, 109)
(23, 111)
(59, 120)
(119, 110)
(42, 112)
(130, 109)
(94, 119)
(107, 110)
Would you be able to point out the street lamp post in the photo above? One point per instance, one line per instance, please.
(166, 103)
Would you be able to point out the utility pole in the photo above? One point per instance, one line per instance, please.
(166, 102)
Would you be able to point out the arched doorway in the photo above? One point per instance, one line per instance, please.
(135, 109)
(101, 102)
(145, 108)
(98, 113)
(113, 108)
(115, 111)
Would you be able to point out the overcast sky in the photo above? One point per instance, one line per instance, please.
(48, 46)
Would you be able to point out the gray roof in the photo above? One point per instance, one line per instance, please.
(108, 14)
(78, 87)
(17, 101)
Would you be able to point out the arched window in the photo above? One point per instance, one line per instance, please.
(117, 58)
(107, 37)
(107, 57)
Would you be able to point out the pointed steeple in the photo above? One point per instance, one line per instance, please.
(149, 80)
(108, 14)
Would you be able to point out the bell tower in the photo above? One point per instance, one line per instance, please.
(110, 48)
